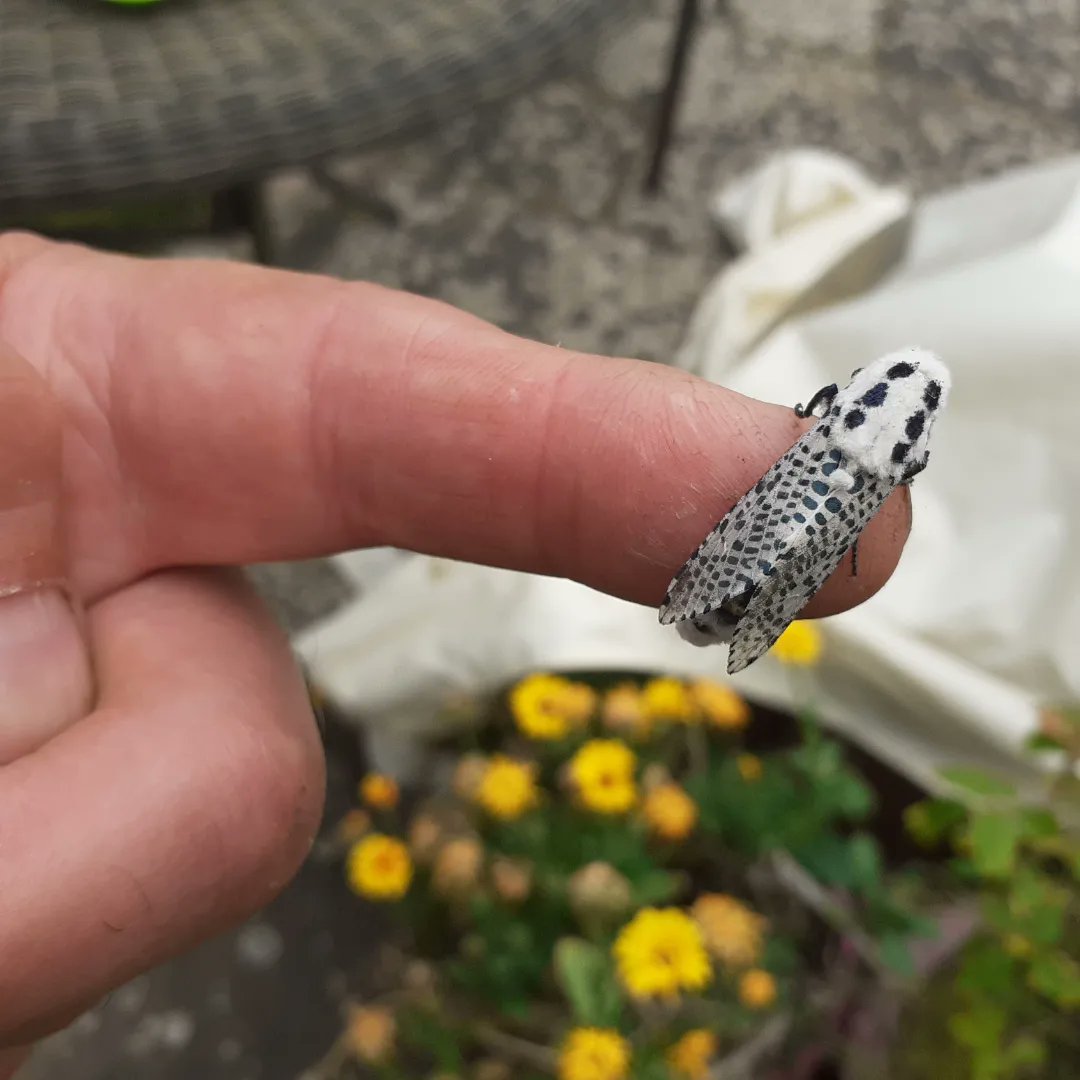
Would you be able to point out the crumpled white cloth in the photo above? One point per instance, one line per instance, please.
(981, 621)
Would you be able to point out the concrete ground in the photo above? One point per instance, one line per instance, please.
(531, 215)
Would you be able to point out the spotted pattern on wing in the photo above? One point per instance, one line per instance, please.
(803, 570)
(787, 508)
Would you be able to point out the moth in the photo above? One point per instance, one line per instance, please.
(760, 566)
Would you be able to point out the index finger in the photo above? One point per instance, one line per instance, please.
(250, 415)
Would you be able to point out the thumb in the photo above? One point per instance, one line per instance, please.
(45, 671)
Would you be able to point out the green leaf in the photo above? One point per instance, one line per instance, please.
(1024, 1052)
(895, 954)
(864, 859)
(986, 969)
(929, 822)
(977, 782)
(1038, 824)
(655, 887)
(1057, 977)
(1039, 743)
(827, 858)
(994, 839)
(585, 976)
(980, 1027)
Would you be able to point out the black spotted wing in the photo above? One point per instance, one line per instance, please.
(767, 557)
(802, 569)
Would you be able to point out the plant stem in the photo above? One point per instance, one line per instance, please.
(540, 1057)
(794, 878)
(742, 1064)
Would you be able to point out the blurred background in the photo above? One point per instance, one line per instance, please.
(550, 165)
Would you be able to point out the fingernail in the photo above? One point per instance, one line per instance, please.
(45, 672)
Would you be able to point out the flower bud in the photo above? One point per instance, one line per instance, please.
(598, 889)
(468, 776)
(353, 826)
(425, 834)
(370, 1032)
(492, 1069)
(512, 879)
(457, 867)
(654, 776)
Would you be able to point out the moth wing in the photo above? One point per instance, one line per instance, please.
(736, 558)
(802, 569)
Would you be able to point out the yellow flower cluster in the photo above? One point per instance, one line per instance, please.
(799, 645)
(623, 712)
(669, 812)
(691, 1055)
(733, 933)
(594, 1054)
(672, 701)
(668, 700)
(507, 787)
(602, 773)
(720, 705)
(548, 707)
(660, 953)
(379, 868)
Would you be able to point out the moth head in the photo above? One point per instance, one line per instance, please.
(887, 410)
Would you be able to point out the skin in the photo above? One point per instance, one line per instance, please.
(167, 420)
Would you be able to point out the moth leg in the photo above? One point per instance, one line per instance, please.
(855, 558)
(825, 394)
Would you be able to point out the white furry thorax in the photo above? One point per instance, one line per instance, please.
(881, 421)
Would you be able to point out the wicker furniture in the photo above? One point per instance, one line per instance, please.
(100, 101)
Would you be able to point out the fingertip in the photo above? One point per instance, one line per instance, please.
(880, 547)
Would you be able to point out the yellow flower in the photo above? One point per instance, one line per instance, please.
(594, 1054)
(690, 1056)
(549, 707)
(799, 645)
(379, 792)
(669, 699)
(379, 868)
(733, 933)
(750, 767)
(369, 1033)
(757, 989)
(508, 788)
(722, 706)
(623, 711)
(670, 813)
(457, 866)
(602, 772)
(660, 952)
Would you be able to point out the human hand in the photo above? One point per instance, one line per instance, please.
(217, 414)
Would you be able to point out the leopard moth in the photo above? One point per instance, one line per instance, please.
(760, 566)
